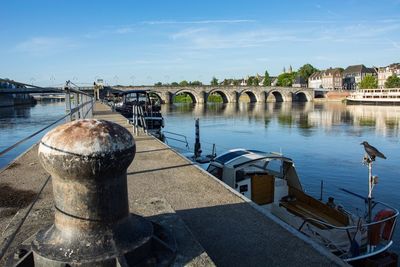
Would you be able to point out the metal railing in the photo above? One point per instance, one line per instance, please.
(79, 105)
(138, 119)
(384, 224)
(176, 137)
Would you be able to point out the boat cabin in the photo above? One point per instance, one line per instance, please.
(262, 177)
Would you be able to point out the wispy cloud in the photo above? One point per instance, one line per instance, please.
(45, 45)
(222, 21)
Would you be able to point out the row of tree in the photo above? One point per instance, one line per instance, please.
(181, 83)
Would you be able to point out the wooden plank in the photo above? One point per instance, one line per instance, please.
(321, 209)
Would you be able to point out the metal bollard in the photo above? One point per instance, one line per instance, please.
(88, 161)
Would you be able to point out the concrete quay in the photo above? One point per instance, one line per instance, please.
(212, 224)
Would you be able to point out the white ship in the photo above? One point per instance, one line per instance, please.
(375, 96)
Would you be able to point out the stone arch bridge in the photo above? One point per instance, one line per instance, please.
(229, 94)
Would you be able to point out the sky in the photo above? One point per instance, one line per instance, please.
(142, 42)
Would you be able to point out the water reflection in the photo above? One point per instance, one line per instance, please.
(383, 120)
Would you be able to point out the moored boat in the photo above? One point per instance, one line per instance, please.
(271, 181)
(375, 96)
(142, 109)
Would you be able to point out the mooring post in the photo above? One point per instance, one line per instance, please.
(197, 145)
(88, 161)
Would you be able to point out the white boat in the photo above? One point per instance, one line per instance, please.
(375, 96)
(271, 181)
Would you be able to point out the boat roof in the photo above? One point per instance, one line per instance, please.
(241, 156)
(135, 91)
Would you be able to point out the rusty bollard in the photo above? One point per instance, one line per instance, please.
(88, 161)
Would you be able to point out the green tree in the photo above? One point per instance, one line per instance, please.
(174, 84)
(392, 82)
(256, 81)
(158, 84)
(286, 79)
(196, 83)
(214, 81)
(267, 79)
(369, 82)
(306, 70)
(250, 81)
(226, 82)
(183, 83)
(236, 82)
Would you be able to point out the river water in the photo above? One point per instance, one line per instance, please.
(323, 139)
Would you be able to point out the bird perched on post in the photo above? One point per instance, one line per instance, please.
(372, 151)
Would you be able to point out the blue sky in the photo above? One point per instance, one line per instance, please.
(142, 42)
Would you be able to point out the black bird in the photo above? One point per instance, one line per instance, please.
(372, 151)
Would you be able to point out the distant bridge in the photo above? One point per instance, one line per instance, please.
(198, 94)
(229, 94)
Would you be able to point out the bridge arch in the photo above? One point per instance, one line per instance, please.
(276, 96)
(193, 95)
(221, 93)
(159, 95)
(301, 96)
(253, 97)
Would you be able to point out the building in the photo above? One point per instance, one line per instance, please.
(386, 72)
(354, 74)
(332, 79)
(299, 82)
(315, 80)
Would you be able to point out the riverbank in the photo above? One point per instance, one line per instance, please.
(9, 100)
(231, 231)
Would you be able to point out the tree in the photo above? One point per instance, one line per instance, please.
(250, 81)
(214, 81)
(286, 79)
(369, 82)
(256, 81)
(158, 84)
(267, 79)
(306, 70)
(183, 83)
(174, 84)
(196, 83)
(392, 82)
(236, 82)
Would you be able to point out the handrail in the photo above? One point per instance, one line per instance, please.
(355, 226)
(71, 112)
(367, 225)
(185, 141)
(8, 240)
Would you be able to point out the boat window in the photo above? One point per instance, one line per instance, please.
(231, 155)
(275, 165)
(215, 171)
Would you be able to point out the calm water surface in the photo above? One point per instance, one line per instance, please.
(19, 122)
(322, 139)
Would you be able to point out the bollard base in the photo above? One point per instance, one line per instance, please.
(157, 249)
